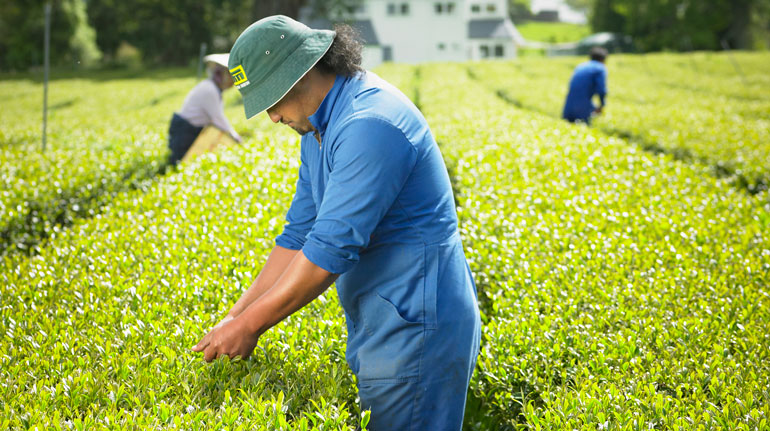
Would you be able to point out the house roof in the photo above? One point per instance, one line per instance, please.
(492, 28)
(363, 26)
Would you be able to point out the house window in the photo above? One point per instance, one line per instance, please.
(491, 7)
(446, 8)
(441, 46)
(398, 9)
(484, 51)
(498, 51)
(475, 8)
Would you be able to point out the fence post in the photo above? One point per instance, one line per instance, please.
(200, 60)
(46, 66)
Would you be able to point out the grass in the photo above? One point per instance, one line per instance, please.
(553, 32)
(621, 289)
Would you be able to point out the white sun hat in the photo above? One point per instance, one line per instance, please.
(220, 59)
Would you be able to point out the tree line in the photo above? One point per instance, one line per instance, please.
(683, 25)
(170, 32)
(119, 32)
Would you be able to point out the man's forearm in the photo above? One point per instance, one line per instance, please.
(302, 282)
(274, 267)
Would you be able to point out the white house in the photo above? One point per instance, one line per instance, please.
(414, 31)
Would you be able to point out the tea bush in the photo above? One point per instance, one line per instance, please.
(104, 137)
(621, 290)
(695, 106)
(98, 326)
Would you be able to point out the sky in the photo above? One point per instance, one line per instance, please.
(566, 14)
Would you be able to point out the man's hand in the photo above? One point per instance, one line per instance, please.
(259, 309)
(222, 322)
(230, 338)
(598, 110)
(206, 339)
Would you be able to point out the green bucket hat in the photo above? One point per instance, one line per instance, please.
(272, 55)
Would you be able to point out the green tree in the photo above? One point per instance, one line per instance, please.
(165, 32)
(171, 31)
(608, 15)
(82, 43)
(519, 10)
(682, 24)
(22, 26)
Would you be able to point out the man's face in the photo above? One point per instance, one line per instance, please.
(294, 109)
(227, 79)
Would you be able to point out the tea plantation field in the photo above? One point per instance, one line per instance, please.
(623, 269)
(705, 107)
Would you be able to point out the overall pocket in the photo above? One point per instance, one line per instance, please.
(392, 346)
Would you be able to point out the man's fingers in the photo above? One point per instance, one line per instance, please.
(202, 343)
(200, 346)
(210, 354)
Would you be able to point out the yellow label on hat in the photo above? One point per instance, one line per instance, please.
(239, 76)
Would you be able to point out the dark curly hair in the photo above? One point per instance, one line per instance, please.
(344, 56)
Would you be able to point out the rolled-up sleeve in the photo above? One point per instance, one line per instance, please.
(601, 85)
(301, 215)
(370, 162)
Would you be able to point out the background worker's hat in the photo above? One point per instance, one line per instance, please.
(218, 59)
(270, 56)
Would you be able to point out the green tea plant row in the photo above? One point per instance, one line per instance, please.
(103, 138)
(696, 106)
(621, 290)
(97, 328)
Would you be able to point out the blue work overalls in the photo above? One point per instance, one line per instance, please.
(374, 203)
(588, 79)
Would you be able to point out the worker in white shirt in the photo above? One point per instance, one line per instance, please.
(203, 106)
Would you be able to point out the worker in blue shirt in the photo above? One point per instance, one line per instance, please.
(589, 78)
(374, 211)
